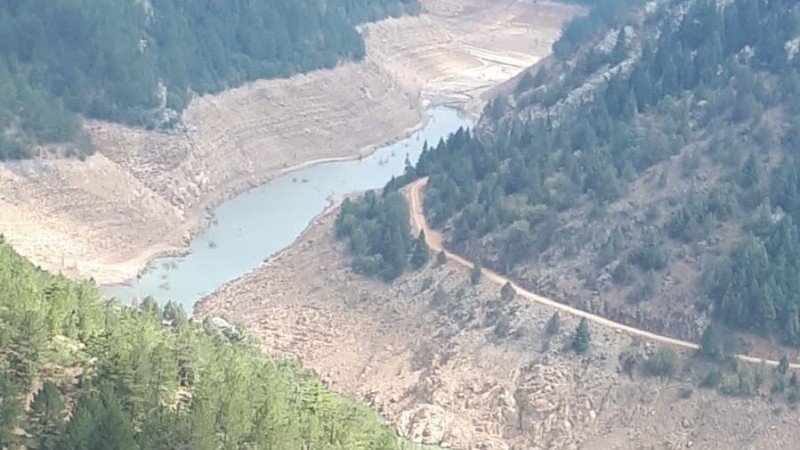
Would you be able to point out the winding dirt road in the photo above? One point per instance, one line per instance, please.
(414, 194)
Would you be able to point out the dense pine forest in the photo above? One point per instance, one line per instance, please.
(377, 231)
(660, 139)
(140, 62)
(715, 89)
(81, 372)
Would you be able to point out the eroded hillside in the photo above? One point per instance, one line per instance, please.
(451, 363)
(143, 193)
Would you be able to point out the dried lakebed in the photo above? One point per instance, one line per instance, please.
(250, 228)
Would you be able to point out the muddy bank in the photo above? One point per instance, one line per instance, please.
(145, 194)
(249, 228)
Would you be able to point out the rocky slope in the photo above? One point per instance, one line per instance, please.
(431, 354)
(635, 166)
(145, 193)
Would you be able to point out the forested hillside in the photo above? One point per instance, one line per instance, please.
(601, 15)
(139, 62)
(656, 165)
(80, 372)
(648, 171)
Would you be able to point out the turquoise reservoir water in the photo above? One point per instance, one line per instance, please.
(250, 228)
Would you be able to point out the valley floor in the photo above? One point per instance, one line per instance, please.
(144, 194)
(438, 368)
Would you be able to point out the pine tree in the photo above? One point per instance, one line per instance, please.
(10, 407)
(554, 324)
(507, 292)
(502, 326)
(711, 342)
(421, 253)
(582, 337)
(783, 365)
(113, 429)
(202, 426)
(25, 347)
(475, 273)
(46, 413)
(150, 306)
(99, 423)
(82, 425)
(441, 258)
(620, 48)
(174, 313)
(750, 173)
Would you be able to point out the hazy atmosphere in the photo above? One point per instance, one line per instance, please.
(399, 224)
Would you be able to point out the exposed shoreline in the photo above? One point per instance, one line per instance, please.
(145, 195)
(144, 261)
(332, 206)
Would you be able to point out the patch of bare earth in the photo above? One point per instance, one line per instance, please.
(441, 369)
(144, 194)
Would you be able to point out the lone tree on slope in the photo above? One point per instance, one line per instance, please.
(507, 292)
(553, 325)
(475, 274)
(582, 337)
(421, 253)
(441, 258)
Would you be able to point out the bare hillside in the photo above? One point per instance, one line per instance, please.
(144, 193)
(433, 355)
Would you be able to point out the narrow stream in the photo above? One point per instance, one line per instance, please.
(250, 228)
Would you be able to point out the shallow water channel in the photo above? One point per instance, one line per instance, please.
(261, 222)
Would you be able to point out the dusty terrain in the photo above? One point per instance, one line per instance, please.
(144, 194)
(430, 353)
(415, 194)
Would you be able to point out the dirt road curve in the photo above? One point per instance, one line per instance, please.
(414, 193)
(145, 194)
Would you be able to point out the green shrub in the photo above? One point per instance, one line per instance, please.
(662, 363)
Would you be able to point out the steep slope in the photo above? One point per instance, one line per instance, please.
(140, 62)
(78, 372)
(145, 193)
(646, 175)
(450, 362)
